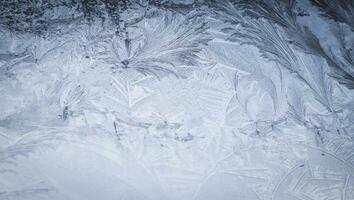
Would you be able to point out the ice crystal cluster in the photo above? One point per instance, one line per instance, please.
(177, 99)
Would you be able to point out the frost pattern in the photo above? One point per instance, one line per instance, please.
(197, 99)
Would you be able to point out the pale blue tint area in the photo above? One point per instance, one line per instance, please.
(176, 100)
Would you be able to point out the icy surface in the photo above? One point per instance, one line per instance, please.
(171, 100)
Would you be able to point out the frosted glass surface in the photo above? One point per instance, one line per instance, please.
(177, 100)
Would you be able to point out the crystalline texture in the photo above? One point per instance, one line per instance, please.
(171, 99)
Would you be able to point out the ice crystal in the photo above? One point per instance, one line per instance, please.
(173, 99)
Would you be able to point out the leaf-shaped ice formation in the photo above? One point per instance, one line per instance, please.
(341, 11)
(283, 13)
(165, 43)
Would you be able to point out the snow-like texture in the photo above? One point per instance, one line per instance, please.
(177, 100)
